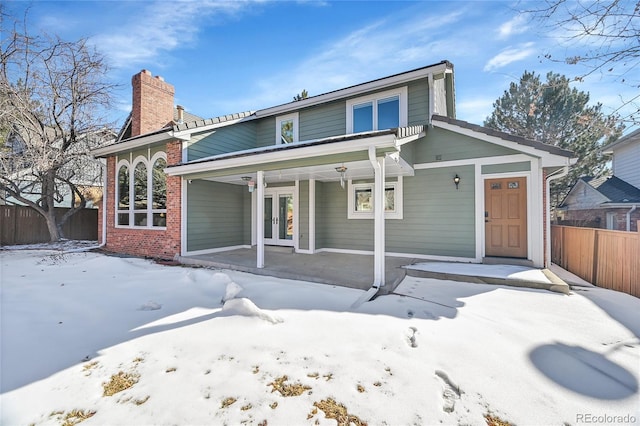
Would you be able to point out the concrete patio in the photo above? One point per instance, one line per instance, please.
(352, 270)
(346, 270)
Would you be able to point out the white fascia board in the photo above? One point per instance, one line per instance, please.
(186, 134)
(402, 141)
(548, 159)
(382, 141)
(353, 91)
(133, 144)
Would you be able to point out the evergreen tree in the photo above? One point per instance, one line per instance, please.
(556, 114)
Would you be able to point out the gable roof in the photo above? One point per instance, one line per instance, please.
(614, 189)
(632, 137)
(504, 136)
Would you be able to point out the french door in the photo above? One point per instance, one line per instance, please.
(278, 216)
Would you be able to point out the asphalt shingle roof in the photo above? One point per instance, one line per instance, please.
(615, 189)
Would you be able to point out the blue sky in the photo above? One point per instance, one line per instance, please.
(225, 57)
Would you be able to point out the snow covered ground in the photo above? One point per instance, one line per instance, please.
(126, 341)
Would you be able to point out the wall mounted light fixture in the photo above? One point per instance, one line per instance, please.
(342, 170)
(456, 180)
(250, 182)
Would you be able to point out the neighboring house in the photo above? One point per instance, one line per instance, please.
(86, 171)
(380, 168)
(611, 202)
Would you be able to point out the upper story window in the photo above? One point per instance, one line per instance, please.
(287, 128)
(141, 191)
(379, 111)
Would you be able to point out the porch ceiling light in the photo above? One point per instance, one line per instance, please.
(342, 170)
(456, 180)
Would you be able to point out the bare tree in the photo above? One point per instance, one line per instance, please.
(603, 36)
(51, 95)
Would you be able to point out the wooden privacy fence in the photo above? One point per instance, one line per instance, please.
(23, 225)
(609, 259)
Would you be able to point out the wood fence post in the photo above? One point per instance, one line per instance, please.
(594, 270)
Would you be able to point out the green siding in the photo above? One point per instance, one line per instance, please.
(266, 132)
(418, 93)
(437, 219)
(232, 138)
(215, 215)
(303, 215)
(523, 166)
(333, 229)
(453, 146)
(323, 121)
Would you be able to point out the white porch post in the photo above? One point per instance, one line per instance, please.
(312, 215)
(260, 219)
(378, 224)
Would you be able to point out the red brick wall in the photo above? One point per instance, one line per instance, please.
(598, 218)
(163, 244)
(152, 103)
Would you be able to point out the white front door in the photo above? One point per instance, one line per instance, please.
(278, 216)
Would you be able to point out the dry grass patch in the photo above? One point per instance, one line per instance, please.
(361, 388)
(338, 412)
(170, 370)
(119, 382)
(228, 401)
(90, 366)
(495, 420)
(274, 405)
(286, 389)
(73, 417)
(246, 407)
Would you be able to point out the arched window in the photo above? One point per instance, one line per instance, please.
(159, 192)
(123, 194)
(142, 192)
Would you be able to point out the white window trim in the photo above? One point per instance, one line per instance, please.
(131, 165)
(398, 200)
(280, 119)
(402, 94)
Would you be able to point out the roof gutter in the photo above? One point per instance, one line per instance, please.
(288, 153)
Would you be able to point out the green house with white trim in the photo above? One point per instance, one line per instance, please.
(381, 168)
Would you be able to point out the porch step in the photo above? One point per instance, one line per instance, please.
(555, 284)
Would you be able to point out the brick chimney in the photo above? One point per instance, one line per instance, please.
(152, 103)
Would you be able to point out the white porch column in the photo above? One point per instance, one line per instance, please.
(312, 215)
(260, 219)
(378, 224)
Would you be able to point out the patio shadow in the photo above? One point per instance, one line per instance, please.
(583, 371)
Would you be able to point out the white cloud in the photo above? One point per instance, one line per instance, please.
(380, 48)
(510, 55)
(474, 110)
(159, 27)
(516, 25)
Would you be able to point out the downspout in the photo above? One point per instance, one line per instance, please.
(105, 192)
(553, 176)
(635, 206)
(378, 258)
(431, 98)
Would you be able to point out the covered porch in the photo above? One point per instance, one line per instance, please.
(278, 203)
(339, 269)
